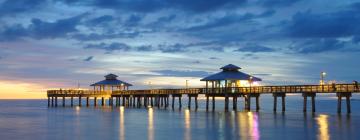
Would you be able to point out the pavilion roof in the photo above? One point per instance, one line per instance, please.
(111, 79)
(230, 72)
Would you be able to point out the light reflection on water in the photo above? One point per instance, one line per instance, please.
(187, 123)
(30, 120)
(323, 124)
(150, 124)
(121, 122)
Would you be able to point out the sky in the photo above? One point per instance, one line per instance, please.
(47, 44)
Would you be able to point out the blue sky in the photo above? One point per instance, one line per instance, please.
(59, 43)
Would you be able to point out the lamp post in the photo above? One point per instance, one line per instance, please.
(150, 85)
(322, 83)
(250, 81)
(187, 84)
(322, 74)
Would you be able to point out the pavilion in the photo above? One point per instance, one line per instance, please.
(110, 83)
(230, 76)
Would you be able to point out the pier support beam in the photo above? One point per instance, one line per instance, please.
(63, 101)
(110, 101)
(347, 96)
(196, 102)
(226, 102)
(312, 95)
(79, 100)
(248, 101)
(95, 101)
(56, 102)
(282, 95)
(189, 102)
(48, 101)
(87, 101)
(180, 105)
(213, 102)
(72, 101)
(102, 101)
(235, 102)
(207, 102)
(52, 101)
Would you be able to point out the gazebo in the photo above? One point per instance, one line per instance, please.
(230, 76)
(110, 83)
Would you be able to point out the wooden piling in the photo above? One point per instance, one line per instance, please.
(56, 102)
(226, 102)
(305, 103)
(172, 103)
(257, 103)
(347, 96)
(102, 101)
(48, 101)
(71, 101)
(79, 100)
(95, 101)
(312, 95)
(207, 102)
(87, 101)
(63, 101)
(180, 105)
(348, 104)
(275, 103)
(283, 103)
(234, 102)
(52, 101)
(339, 104)
(196, 102)
(189, 102)
(213, 102)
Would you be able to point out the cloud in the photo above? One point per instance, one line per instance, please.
(254, 48)
(11, 7)
(145, 6)
(214, 58)
(109, 47)
(40, 29)
(318, 46)
(179, 73)
(337, 24)
(133, 20)
(228, 20)
(277, 3)
(88, 58)
(102, 36)
(100, 20)
(173, 48)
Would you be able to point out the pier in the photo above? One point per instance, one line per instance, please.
(117, 93)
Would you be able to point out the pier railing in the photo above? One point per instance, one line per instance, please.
(328, 88)
(66, 92)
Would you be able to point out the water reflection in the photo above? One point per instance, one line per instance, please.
(187, 124)
(121, 127)
(248, 123)
(150, 124)
(323, 123)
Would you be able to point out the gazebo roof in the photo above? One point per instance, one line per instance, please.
(111, 79)
(230, 72)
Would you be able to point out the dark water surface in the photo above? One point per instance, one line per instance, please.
(32, 119)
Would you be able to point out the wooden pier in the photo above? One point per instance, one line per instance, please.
(160, 97)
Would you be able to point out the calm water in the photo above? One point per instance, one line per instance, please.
(32, 119)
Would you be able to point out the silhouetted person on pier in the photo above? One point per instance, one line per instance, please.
(356, 85)
(334, 86)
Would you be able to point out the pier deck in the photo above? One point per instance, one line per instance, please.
(160, 97)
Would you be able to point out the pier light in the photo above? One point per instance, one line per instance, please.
(322, 75)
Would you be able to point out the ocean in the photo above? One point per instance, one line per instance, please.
(33, 120)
